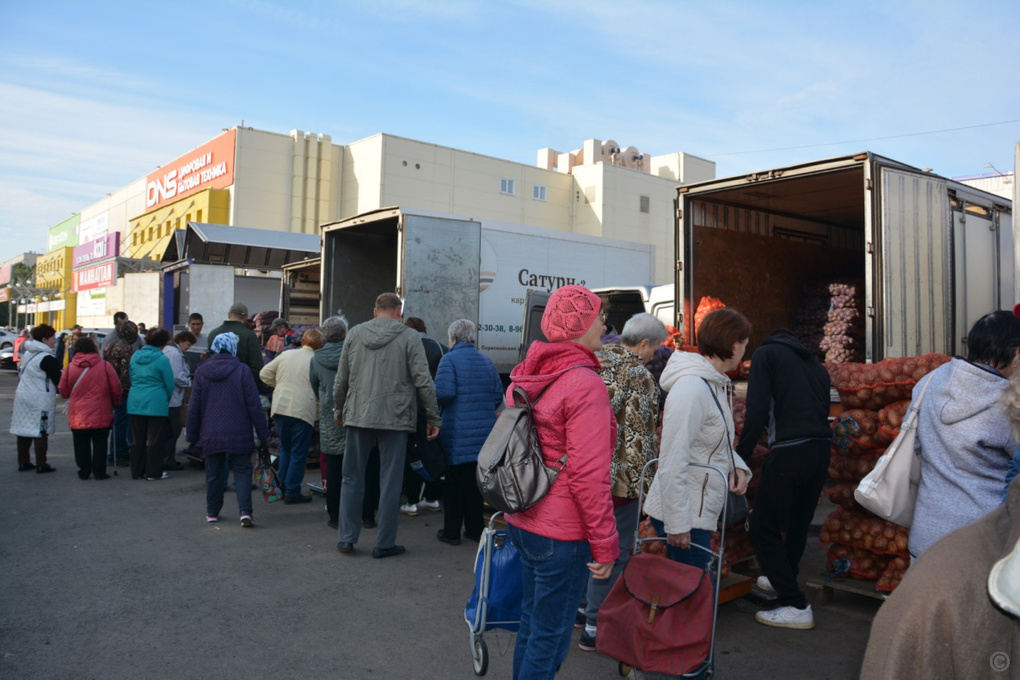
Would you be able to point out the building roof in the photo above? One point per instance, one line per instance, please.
(239, 246)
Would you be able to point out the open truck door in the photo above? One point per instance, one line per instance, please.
(534, 308)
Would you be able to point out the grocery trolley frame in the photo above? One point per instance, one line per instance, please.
(708, 667)
(492, 539)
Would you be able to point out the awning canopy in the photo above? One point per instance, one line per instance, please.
(239, 246)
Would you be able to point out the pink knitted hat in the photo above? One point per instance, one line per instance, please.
(570, 312)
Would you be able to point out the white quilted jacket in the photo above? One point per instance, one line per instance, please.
(35, 401)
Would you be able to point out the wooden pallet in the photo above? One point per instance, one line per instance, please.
(827, 588)
(735, 586)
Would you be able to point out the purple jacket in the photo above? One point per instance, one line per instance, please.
(224, 407)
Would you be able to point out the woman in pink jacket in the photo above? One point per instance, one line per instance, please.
(572, 531)
(93, 388)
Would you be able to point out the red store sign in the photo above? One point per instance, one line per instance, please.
(210, 166)
(100, 276)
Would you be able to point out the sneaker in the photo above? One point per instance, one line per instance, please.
(580, 618)
(587, 642)
(153, 479)
(787, 617)
(246, 521)
(212, 519)
(431, 506)
(763, 583)
(410, 509)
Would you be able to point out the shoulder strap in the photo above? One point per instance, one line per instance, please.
(729, 445)
(78, 381)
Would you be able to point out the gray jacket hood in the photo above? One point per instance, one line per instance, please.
(966, 390)
(381, 331)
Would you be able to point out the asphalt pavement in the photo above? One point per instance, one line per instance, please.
(122, 579)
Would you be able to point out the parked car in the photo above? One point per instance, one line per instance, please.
(7, 357)
(7, 339)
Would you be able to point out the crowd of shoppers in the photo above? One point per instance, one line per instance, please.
(384, 388)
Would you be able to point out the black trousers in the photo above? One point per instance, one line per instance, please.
(786, 500)
(90, 447)
(462, 502)
(334, 478)
(171, 434)
(147, 446)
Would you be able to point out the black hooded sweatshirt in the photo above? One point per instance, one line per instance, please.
(788, 392)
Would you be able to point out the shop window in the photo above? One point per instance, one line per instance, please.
(507, 186)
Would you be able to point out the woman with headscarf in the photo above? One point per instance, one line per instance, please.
(571, 531)
(148, 404)
(35, 400)
(332, 437)
(223, 411)
(294, 411)
(93, 390)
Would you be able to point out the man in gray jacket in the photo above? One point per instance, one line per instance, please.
(381, 368)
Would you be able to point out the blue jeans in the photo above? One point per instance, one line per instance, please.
(215, 480)
(1011, 472)
(554, 576)
(121, 446)
(295, 437)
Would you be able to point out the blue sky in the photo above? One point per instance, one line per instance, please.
(94, 95)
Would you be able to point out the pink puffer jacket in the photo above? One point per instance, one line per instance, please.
(572, 416)
(91, 407)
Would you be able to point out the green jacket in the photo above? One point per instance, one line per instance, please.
(152, 383)
(249, 350)
(381, 368)
(332, 437)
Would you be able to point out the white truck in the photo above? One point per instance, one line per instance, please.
(448, 267)
(934, 255)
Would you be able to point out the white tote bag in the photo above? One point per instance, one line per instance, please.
(890, 490)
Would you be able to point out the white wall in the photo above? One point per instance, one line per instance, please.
(210, 292)
(142, 297)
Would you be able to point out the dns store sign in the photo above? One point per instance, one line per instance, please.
(210, 166)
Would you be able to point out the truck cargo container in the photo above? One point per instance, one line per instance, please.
(447, 267)
(934, 255)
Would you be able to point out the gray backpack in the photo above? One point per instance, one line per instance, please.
(511, 474)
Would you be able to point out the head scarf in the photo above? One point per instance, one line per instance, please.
(225, 342)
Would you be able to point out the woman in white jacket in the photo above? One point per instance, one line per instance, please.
(685, 503)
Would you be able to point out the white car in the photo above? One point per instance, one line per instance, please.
(7, 339)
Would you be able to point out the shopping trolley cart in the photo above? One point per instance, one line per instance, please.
(495, 602)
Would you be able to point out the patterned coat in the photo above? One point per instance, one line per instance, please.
(634, 398)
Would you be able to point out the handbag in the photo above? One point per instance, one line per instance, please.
(658, 616)
(67, 403)
(737, 507)
(890, 489)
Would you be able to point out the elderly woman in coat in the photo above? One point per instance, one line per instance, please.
(294, 411)
(332, 437)
(469, 391)
(93, 390)
(697, 427)
(223, 411)
(35, 400)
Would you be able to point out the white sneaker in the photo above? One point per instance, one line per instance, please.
(787, 617)
(431, 506)
(766, 585)
(409, 509)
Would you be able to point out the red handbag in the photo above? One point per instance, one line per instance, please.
(658, 616)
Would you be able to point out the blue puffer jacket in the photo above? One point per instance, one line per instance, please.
(469, 392)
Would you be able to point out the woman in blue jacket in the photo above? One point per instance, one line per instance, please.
(148, 404)
(469, 393)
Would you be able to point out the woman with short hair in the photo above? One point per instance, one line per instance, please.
(148, 404)
(93, 390)
(174, 351)
(697, 427)
(332, 437)
(469, 391)
(294, 411)
(35, 399)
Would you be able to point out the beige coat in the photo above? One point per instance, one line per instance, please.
(289, 375)
(694, 430)
(939, 622)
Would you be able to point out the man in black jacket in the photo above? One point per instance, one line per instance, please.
(788, 392)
